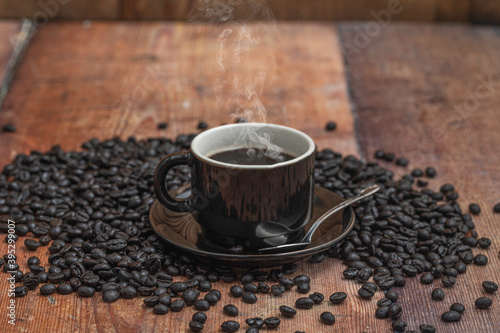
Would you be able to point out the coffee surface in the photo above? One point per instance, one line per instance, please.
(245, 156)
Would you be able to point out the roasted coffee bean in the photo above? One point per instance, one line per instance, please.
(205, 286)
(350, 273)
(166, 299)
(382, 312)
(331, 126)
(151, 301)
(32, 244)
(395, 311)
(111, 296)
(448, 281)
(272, 322)
(496, 208)
(317, 297)
(399, 325)
(457, 307)
(162, 125)
(190, 296)
(480, 260)
(303, 288)
(64, 288)
(277, 289)
(230, 326)
(20, 291)
(264, 288)
(430, 172)
(236, 291)
(249, 298)
(426, 278)
(290, 268)
(437, 294)
(451, 316)
(301, 279)
(9, 128)
(384, 302)
(402, 161)
(86, 291)
(287, 283)
(392, 295)
(177, 305)
(33, 261)
(287, 311)
(304, 303)
(338, 297)
(424, 328)
(200, 317)
(367, 290)
(201, 305)
(160, 309)
(327, 318)
(256, 322)
(474, 209)
(490, 286)
(484, 242)
(195, 326)
(212, 298)
(230, 310)
(251, 288)
(48, 289)
(483, 302)
(128, 292)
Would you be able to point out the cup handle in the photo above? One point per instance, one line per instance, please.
(167, 163)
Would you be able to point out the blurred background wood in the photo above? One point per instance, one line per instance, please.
(474, 11)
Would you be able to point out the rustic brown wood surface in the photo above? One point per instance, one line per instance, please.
(9, 31)
(122, 79)
(431, 93)
(406, 84)
(476, 11)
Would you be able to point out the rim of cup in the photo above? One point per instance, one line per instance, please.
(200, 146)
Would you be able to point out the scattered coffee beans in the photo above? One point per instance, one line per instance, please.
(437, 294)
(451, 316)
(338, 297)
(287, 311)
(272, 322)
(230, 310)
(327, 318)
(230, 326)
(483, 302)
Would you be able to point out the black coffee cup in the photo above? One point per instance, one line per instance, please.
(246, 204)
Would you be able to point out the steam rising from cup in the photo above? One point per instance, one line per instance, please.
(243, 32)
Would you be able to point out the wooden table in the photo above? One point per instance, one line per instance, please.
(426, 92)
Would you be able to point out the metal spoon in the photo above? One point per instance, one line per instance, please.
(306, 240)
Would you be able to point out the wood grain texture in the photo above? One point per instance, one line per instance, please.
(121, 79)
(431, 93)
(45, 10)
(485, 12)
(423, 10)
(9, 30)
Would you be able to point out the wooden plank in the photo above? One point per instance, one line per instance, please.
(9, 30)
(121, 79)
(430, 93)
(454, 10)
(485, 12)
(295, 9)
(45, 10)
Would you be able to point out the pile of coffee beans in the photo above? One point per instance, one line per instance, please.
(91, 209)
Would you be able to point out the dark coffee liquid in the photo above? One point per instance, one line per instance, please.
(247, 156)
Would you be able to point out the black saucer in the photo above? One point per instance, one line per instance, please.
(182, 231)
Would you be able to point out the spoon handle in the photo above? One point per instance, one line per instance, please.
(363, 194)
